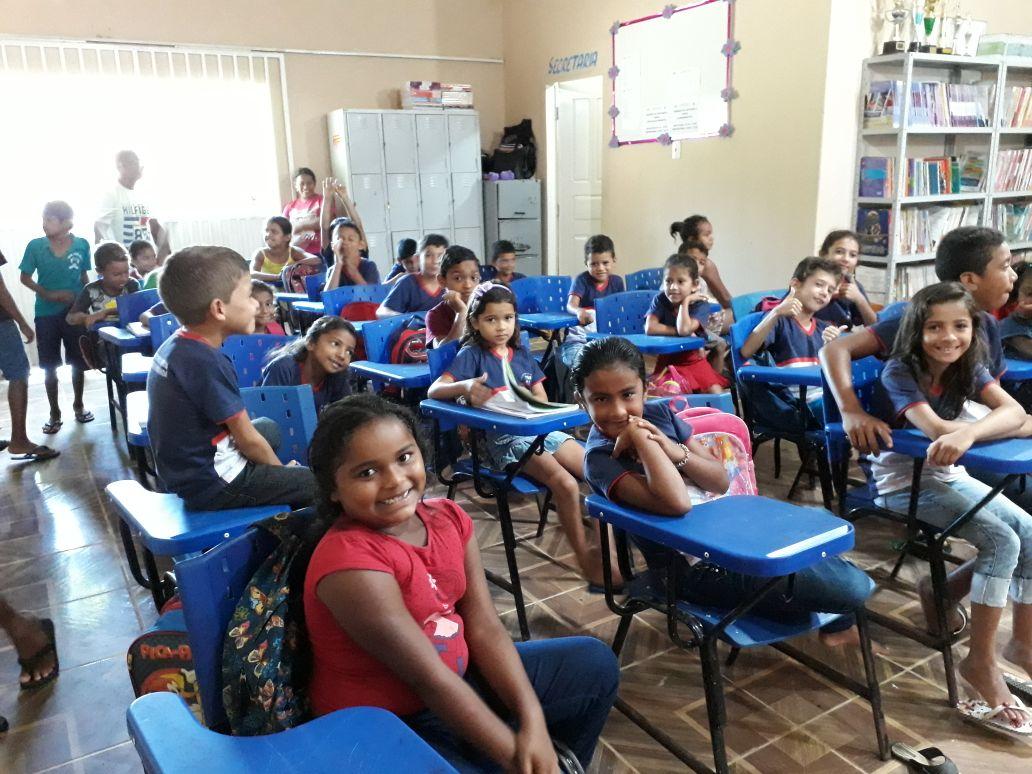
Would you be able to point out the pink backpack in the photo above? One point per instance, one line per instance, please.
(729, 434)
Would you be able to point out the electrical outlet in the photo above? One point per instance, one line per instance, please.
(675, 149)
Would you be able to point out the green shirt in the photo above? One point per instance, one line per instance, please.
(151, 280)
(53, 273)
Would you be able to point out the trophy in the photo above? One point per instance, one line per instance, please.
(950, 27)
(898, 16)
(932, 26)
(917, 20)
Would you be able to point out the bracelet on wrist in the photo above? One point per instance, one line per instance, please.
(684, 460)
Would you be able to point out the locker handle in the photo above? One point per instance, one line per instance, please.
(518, 212)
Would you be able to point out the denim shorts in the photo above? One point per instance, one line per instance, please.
(504, 449)
(14, 364)
(53, 331)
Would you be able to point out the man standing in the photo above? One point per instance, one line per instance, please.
(124, 216)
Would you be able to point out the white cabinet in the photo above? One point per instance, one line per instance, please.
(411, 172)
(512, 211)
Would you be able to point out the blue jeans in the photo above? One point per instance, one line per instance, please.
(575, 679)
(1001, 531)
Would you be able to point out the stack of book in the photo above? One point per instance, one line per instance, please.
(1013, 170)
(1017, 107)
(1014, 220)
(910, 279)
(932, 103)
(929, 176)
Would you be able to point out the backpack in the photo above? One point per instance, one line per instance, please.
(160, 659)
(517, 152)
(730, 435)
(293, 277)
(408, 344)
(767, 303)
(264, 657)
(558, 379)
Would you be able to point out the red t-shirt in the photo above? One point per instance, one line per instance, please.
(432, 579)
(298, 209)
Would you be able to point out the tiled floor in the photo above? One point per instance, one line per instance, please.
(59, 557)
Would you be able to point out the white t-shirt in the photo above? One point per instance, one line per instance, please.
(124, 216)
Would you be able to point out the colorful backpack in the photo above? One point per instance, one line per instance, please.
(160, 659)
(264, 664)
(730, 435)
(408, 345)
(293, 277)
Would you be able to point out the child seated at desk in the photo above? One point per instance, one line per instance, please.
(418, 292)
(493, 334)
(320, 359)
(265, 317)
(849, 305)
(791, 335)
(1016, 328)
(643, 456)
(405, 262)
(144, 262)
(96, 302)
(503, 259)
(278, 253)
(589, 286)
(676, 311)
(399, 616)
(460, 274)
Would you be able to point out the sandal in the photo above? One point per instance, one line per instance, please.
(1018, 685)
(930, 760)
(52, 426)
(29, 665)
(82, 417)
(38, 454)
(4, 443)
(981, 714)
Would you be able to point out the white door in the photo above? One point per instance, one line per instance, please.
(576, 213)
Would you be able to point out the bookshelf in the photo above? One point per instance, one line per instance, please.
(907, 226)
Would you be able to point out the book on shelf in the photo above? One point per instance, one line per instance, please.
(882, 104)
(518, 401)
(920, 228)
(972, 173)
(1017, 110)
(1013, 170)
(1014, 219)
(874, 226)
(933, 176)
(931, 103)
(876, 176)
(913, 277)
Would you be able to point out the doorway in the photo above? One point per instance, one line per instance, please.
(574, 171)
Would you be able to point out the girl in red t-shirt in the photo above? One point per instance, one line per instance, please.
(400, 617)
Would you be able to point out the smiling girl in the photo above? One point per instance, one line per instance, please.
(320, 359)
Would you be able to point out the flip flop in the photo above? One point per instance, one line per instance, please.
(1018, 685)
(597, 588)
(38, 454)
(4, 443)
(29, 664)
(82, 417)
(981, 714)
(52, 426)
(930, 760)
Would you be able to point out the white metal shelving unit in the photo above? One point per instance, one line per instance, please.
(872, 141)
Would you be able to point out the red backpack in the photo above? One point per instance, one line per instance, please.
(409, 343)
(293, 277)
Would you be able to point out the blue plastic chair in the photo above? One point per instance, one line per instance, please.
(541, 294)
(166, 528)
(314, 284)
(749, 534)
(623, 313)
(808, 441)
(250, 354)
(892, 311)
(377, 367)
(743, 305)
(132, 305)
(161, 327)
(336, 299)
(169, 739)
(293, 410)
(646, 279)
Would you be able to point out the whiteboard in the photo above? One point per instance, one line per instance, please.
(670, 74)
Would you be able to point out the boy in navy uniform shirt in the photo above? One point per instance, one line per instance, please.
(418, 292)
(589, 286)
(205, 447)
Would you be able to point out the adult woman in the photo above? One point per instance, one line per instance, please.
(303, 212)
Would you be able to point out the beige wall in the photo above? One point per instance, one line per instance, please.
(759, 187)
(315, 84)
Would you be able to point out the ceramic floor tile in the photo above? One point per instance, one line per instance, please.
(121, 759)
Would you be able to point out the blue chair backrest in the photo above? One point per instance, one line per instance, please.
(132, 305)
(161, 327)
(293, 409)
(378, 335)
(250, 354)
(541, 294)
(646, 279)
(722, 401)
(892, 311)
(746, 303)
(623, 313)
(336, 299)
(314, 285)
(210, 585)
(739, 333)
(866, 385)
(439, 358)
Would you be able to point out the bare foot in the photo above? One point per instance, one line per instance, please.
(846, 638)
(1019, 654)
(29, 639)
(592, 569)
(987, 681)
(953, 617)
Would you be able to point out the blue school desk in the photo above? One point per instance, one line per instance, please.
(551, 326)
(114, 343)
(807, 376)
(656, 345)
(1017, 370)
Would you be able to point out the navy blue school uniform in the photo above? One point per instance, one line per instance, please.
(588, 290)
(409, 294)
(791, 344)
(396, 269)
(1013, 327)
(192, 391)
(285, 371)
(833, 586)
(473, 360)
(665, 311)
(367, 268)
(842, 311)
(885, 332)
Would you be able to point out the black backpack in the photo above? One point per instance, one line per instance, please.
(517, 152)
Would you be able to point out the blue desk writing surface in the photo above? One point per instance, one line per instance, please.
(122, 338)
(409, 375)
(547, 321)
(656, 345)
(1017, 370)
(1011, 456)
(313, 307)
(749, 534)
(482, 419)
(806, 376)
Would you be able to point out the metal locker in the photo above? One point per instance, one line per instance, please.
(519, 199)
(435, 195)
(525, 235)
(432, 143)
(473, 238)
(464, 143)
(365, 144)
(399, 143)
(380, 251)
(466, 195)
(397, 236)
(367, 191)
(403, 201)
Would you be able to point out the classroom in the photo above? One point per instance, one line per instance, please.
(516, 385)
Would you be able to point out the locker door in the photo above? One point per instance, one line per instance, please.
(524, 233)
(473, 238)
(435, 195)
(466, 193)
(432, 141)
(399, 142)
(367, 191)
(380, 252)
(403, 202)
(365, 143)
(519, 199)
(464, 143)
